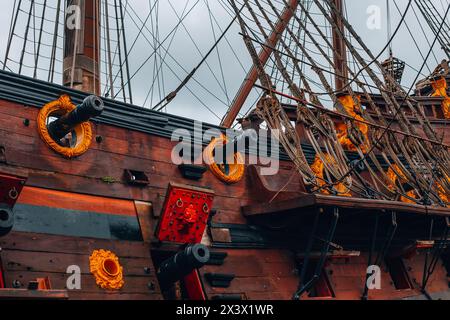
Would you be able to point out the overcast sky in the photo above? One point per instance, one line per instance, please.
(215, 84)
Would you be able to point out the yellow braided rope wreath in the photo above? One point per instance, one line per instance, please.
(83, 131)
(105, 267)
(236, 169)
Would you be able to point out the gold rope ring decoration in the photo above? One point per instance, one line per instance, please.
(105, 267)
(83, 131)
(235, 170)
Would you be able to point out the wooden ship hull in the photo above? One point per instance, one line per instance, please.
(69, 208)
(117, 197)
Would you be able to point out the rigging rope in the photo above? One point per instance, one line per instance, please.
(416, 153)
(173, 94)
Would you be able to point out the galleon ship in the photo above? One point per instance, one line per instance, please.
(334, 185)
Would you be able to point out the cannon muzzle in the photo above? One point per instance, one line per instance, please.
(6, 219)
(91, 107)
(181, 264)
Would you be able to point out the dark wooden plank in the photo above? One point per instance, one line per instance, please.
(23, 294)
(240, 267)
(75, 295)
(14, 260)
(259, 273)
(59, 281)
(60, 244)
(279, 206)
(309, 201)
(26, 257)
(144, 212)
(251, 284)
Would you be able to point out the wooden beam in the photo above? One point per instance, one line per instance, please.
(264, 56)
(82, 49)
(23, 294)
(336, 254)
(339, 50)
(318, 200)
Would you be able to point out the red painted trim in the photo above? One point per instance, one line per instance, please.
(2, 281)
(194, 287)
(74, 201)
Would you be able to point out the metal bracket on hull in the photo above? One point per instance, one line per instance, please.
(381, 254)
(303, 287)
(10, 189)
(388, 240)
(2, 154)
(428, 268)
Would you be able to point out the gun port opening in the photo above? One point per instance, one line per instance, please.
(4, 215)
(69, 140)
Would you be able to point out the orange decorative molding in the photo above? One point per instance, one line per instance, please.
(106, 269)
(352, 108)
(318, 167)
(440, 90)
(395, 173)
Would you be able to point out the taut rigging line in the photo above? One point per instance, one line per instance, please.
(405, 98)
(325, 110)
(163, 103)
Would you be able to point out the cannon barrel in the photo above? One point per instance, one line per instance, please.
(181, 264)
(6, 219)
(91, 107)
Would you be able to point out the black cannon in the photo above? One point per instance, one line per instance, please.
(181, 264)
(6, 219)
(238, 143)
(91, 107)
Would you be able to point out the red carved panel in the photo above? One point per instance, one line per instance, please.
(185, 214)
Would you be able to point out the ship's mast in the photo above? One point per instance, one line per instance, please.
(82, 46)
(340, 51)
(264, 56)
(340, 61)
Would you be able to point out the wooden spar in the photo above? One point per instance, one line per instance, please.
(358, 205)
(339, 50)
(264, 56)
(82, 71)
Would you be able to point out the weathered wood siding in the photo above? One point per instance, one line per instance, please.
(27, 256)
(260, 274)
